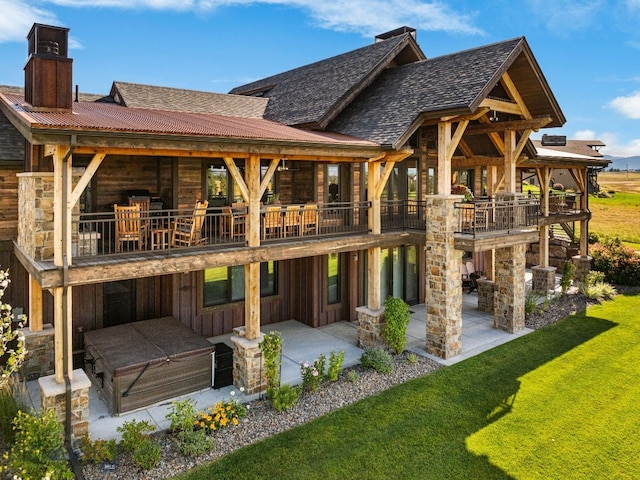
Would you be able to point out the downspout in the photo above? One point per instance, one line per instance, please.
(73, 458)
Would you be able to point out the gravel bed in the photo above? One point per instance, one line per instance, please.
(263, 421)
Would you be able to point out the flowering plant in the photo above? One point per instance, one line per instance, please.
(220, 415)
(12, 344)
(462, 190)
(313, 373)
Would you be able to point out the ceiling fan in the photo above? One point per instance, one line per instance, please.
(284, 168)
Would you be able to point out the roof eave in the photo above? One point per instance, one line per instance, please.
(152, 142)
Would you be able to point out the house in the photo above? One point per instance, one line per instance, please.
(313, 194)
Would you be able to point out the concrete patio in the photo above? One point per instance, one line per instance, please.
(302, 343)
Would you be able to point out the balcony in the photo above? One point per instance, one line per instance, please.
(492, 223)
(99, 234)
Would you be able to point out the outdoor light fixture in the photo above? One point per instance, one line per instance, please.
(493, 117)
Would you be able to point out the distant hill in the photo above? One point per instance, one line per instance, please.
(624, 163)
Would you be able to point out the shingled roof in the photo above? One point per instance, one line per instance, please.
(179, 100)
(574, 147)
(388, 111)
(315, 94)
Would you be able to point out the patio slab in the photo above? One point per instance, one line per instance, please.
(302, 343)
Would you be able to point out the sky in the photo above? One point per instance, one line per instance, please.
(588, 50)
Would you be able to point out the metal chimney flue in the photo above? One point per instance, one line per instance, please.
(48, 72)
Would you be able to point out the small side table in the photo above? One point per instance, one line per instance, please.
(159, 238)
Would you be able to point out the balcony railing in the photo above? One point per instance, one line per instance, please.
(403, 214)
(99, 234)
(497, 216)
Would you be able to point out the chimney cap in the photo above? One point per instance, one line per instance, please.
(553, 140)
(396, 32)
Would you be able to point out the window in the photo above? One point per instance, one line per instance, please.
(226, 284)
(333, 278)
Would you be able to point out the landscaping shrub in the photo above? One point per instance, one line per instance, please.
(568, 270)
(396, 314)
(531, 302)
(182, 415)
(135, 439)
(98, 451)
(38, 449)
(271, 348)
(284, 397)
(313, 373)
(377, 359)
(335, 365)
(220, 415)
(353, 376)
(11, 402)
(595, 288)
(194, 442)
(620, 264)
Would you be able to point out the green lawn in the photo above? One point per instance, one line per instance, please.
(560, 403)
(618, 216)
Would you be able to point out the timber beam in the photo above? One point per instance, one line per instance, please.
(151, 264)
(532, 124)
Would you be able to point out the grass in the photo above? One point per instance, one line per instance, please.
(560, 403)
(618, 216)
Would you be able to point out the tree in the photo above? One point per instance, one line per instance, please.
(12, 343)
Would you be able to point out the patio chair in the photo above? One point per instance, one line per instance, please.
(233, 221)
(272, 222)
(309, 220)
(187, 231)
(473, 276)
(129, 226)
(292, 220)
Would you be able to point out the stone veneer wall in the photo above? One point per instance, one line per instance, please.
(39, 361)
(248, 372)
(35, 214)
(486, 295)
(543, 279)
(370, 325)
(443, 282)
(510, 288)
(583, 267)
(53, 396)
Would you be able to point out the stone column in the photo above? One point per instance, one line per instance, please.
(39, 361)
(370, 325)
(486, 291)
(510, 288)
(543, 279)
(583, 267)
(53, 396)
(248, 371)
(443, 278)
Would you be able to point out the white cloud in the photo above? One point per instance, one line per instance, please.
(628, 106)
(585, 135)
(366, 17)
(18, 17)
(567, 15)
(617, 149)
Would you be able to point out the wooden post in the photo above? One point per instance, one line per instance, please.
(444, 165)
(510, 161)
(252, 270)
(35, 305)
(544, 175)
(62, 296)
(373, 254)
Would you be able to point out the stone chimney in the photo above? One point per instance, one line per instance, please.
(47, 74)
